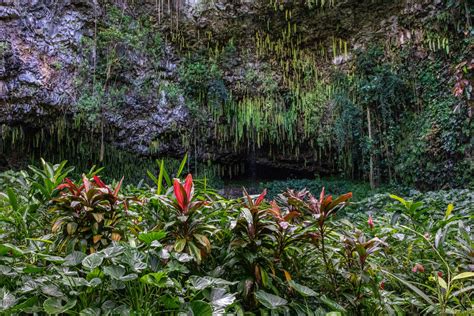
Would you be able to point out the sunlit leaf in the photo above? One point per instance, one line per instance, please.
(54, 305)
(270, 301)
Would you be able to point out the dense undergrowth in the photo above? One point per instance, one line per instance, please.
(79, 246)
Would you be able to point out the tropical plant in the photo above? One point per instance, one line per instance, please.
(45, 180)
(87, 216)
(186, 223)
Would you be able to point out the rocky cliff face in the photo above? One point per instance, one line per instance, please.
(43, 53)
(41, 50)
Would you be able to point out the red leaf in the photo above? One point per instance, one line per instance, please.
(117, 188)
(340, 199)
(180, 193)
(188, 185)
(260, 197)
(99, 182)
(321, 196)
(291, 215)
(275, 210)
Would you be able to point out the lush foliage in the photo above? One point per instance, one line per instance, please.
(81, 246)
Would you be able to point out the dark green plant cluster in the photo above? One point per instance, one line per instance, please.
(80, 246)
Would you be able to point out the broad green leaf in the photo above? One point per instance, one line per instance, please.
(180, 244)
(55, 259)
(220, 298)
(112, 251)
(92, 261)
(29, 268)
(332, 304)
(74, 281)
(169, 301)
(463, 275)
(201, 283)
(150, 237)
(52, 290)
(195, 251)
(30, 302)
(442, 283)
(53, 305)
(155, 279)
(74, 258)
(129, 277)
(303, 290)
(115, 272)
(10, 250)
(200, 308)
(7, 299)
(270, 301)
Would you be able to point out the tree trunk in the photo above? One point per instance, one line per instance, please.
(371, 155)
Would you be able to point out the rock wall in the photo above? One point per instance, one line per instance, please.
(42, 54)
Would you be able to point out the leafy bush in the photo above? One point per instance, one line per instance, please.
(188, 250)
(87, 216)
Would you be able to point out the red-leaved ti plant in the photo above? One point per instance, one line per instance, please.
(88, 215)
(190, 230)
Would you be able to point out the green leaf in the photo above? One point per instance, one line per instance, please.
(30, 302)
(55, 259)
(181, 166)
(332, 304)
(301, 289)
(200, 308)
(463, 275)
(150, 237)
(92, 261)
(152, 177)
(220, 298)
(53, 305)
(169, 301)
(7, 299)
(90, 311)
(270, 301)
(399, 199)
(113, 251)
(10, 250)
(115, 272)
(156, 279)
(12, 199)
(179, 245)
(442, 283)
(449, 209)
(74, 258)
(195, 251)
(264, 276)
(413, 288)
(201, 283)
(160, 177)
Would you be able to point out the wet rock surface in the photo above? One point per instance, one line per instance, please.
(41, 50)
